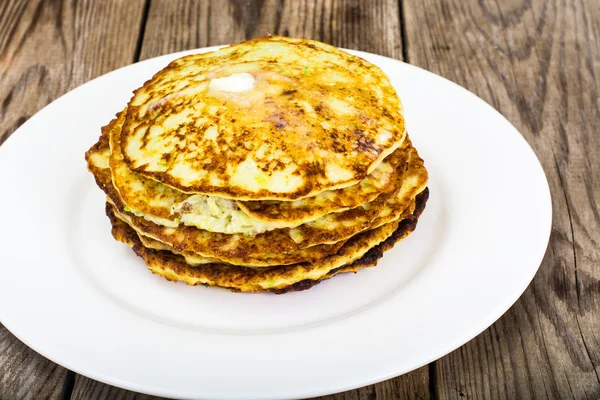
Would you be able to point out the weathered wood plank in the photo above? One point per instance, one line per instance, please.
(24, 374)
(50, 47)
(372, 26)
(86, 388)
(46, 49)
(361, 24)
(538, 63)
(414, 385)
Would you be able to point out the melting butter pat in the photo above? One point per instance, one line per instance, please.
(234, 83)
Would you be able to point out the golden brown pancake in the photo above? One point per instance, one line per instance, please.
(255, 260)
(272, 118)
(310, 255)
(309, 209)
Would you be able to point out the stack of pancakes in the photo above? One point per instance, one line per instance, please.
(269, 165)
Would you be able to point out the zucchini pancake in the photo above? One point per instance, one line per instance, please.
(265, 166)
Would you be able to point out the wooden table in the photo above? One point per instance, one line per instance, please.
(536, 61)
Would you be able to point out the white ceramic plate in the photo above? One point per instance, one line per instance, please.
(72, 293)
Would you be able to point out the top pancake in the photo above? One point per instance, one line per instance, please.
(294, 118)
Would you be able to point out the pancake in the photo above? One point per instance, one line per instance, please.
(248, 255)
(261, 216)
(145, 197)
(385, 208)
(169, 207)
(310, 255)
(308, 209)
(252, 260)
(243, 249)
(363, 250)
(268, 119)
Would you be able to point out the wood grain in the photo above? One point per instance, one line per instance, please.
(50, 47)
(24, 374)
(414, 385)
(363, 25)
(46, 49)
(537, 62)
(86, 388)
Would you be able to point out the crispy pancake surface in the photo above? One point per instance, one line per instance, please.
(308, 209)
(272, 118)
(283, 246)
(363, 250)
(142, 195)
(310, 255)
